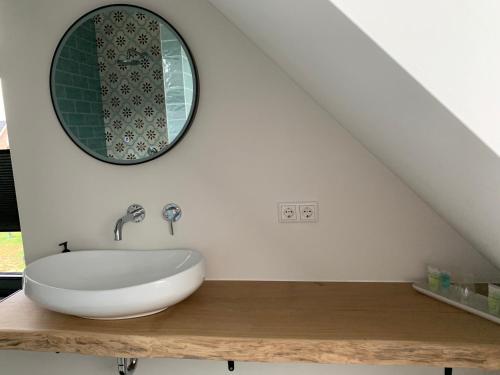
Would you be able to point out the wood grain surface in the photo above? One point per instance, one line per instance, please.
(363, 323)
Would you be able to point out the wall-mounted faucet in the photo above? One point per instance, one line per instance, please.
(135, 213)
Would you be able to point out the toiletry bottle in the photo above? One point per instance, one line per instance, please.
(444, 279)
(433, 278)
(494, 299)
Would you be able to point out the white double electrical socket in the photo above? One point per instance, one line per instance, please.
(298, 212)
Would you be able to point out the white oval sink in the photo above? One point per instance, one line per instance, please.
(113, 284)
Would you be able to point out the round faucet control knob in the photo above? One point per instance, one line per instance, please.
(172, 213)
(137, 212)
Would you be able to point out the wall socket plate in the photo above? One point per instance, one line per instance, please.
(288, 213)
(308, 212)
(298, 212)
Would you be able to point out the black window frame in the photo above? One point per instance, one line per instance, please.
(10, 282)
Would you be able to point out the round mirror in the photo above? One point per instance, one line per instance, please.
(124, 84)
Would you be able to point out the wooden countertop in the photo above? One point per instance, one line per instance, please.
(368, 323)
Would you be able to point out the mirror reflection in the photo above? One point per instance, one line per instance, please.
(123, 84)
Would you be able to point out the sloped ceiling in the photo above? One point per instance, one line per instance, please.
(449, 46)
(383, 106)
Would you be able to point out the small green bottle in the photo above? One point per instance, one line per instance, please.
(445, 279)
(433, 278)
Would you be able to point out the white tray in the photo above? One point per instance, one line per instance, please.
(475, 303)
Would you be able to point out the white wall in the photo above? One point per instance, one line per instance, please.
(382, 106)
(19, 363)
(258, 139)
(449, 46)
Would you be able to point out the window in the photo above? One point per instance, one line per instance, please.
(11, 242)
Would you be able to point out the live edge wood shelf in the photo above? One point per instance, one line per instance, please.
(363, 323)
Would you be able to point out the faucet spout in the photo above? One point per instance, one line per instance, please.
(135, 213)
(118, 229)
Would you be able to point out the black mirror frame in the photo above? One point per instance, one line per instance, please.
(196, 88)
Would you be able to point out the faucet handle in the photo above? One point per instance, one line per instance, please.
(137, 212)
(172, 213)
